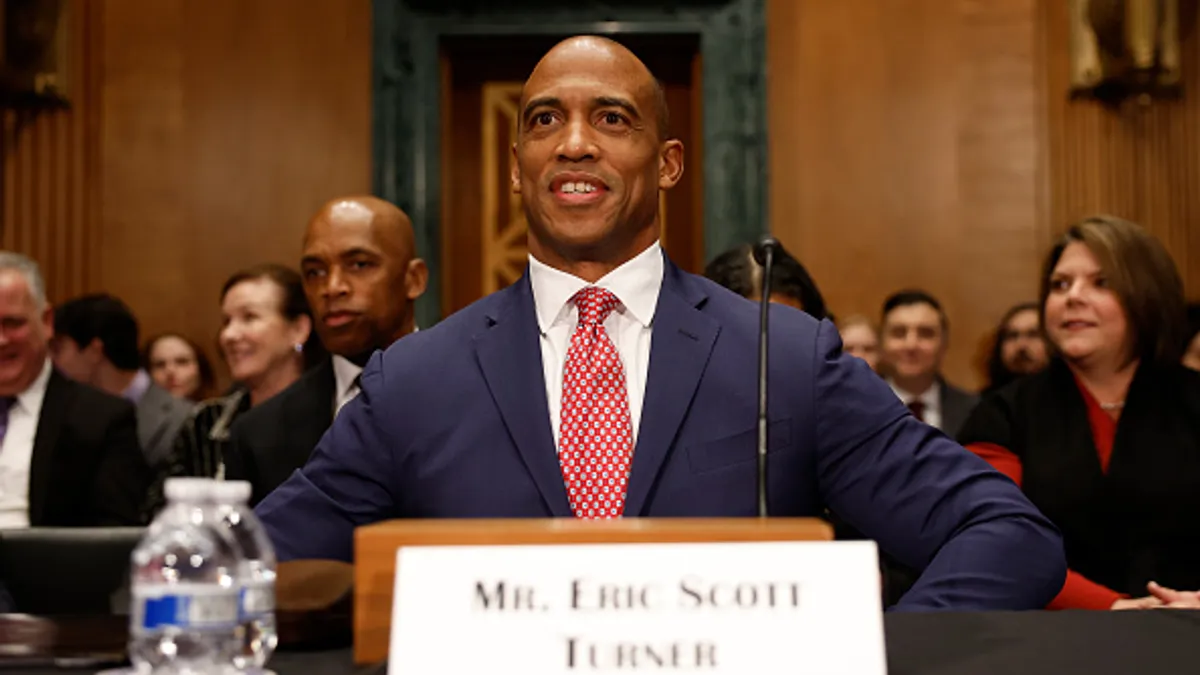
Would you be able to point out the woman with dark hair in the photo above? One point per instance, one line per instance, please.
(1191, 350)
(1018, 347)
(791, 284)
(266, 340)
(1104, 441)
(178, 365)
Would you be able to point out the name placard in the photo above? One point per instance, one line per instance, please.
(762, 608)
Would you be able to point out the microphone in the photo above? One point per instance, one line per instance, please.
(764, 255)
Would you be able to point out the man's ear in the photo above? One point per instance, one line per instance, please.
(514, 171)
(48, 321)
(670, 164)
(416, 278)
(95, 348)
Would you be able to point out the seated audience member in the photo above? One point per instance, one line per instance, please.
(486, 414)
(69, 454)
(178, 365)
(266, 335)
(1018, 348)
(361, 278)
(791, 284)
(916, 334)
(1104, 441)
(1191, 354)
(860, 338)
(96, 343)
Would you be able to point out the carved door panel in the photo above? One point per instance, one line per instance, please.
(483, 224)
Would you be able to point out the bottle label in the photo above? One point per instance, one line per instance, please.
(180, 608)
(258, 599)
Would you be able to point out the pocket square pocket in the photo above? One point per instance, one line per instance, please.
(738, 448)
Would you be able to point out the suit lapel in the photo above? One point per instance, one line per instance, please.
(509, 354)
(55, 412)
(315, 412)
(680, 345)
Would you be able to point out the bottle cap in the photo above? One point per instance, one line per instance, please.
(231, 491)
(187, 489)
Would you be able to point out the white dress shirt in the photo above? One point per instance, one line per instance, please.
(345, 388)
(932, 399)
(636, 284)
(16, 452)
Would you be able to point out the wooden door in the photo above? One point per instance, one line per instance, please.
(483, 224)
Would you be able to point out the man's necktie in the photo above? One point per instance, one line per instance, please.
(918, 409)
(596, 435)
(5, 404)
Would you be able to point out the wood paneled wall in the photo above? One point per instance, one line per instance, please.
(203, 134)
(1140, 162)
(50, 170)
(904, 153)
(226, 124)
(932, 143)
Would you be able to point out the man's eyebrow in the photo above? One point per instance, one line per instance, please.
(617, 102)
(543, 102)
(599, 102)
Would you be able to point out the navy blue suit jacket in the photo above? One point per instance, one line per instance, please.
(452, 422)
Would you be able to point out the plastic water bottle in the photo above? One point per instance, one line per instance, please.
(256, 575)
(184, 588)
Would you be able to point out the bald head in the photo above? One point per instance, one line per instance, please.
(392, 225)
(359, 252)
(588, 53)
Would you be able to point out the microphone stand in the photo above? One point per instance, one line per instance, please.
(764, 254)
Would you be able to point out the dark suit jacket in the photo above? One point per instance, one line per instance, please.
(452, 422)
(87, 468)
(957, 405)
(160, 416)
(274, 438)
(1135, 520)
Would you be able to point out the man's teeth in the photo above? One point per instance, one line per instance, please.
(573, 188)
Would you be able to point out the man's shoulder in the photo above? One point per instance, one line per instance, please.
(740, 315)
(454, 332)
(87, 410)
(79, 399)
(161, 403)
(956, 394)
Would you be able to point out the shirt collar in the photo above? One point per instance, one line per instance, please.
(344, 372)
(636, 283)
(36, 391)
(930, 397)
(137, 387)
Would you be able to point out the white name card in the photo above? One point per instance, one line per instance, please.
(761, 608)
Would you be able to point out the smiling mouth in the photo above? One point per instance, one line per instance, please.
(578, 190)
(1077, 325)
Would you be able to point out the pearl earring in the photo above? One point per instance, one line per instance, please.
(299, 347)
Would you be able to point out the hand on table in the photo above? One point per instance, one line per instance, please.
(1173, 599)
(1148, 602)
(1161, 597)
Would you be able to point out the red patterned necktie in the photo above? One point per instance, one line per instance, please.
(596, 435)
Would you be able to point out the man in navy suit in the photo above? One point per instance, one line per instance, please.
(608, 382)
